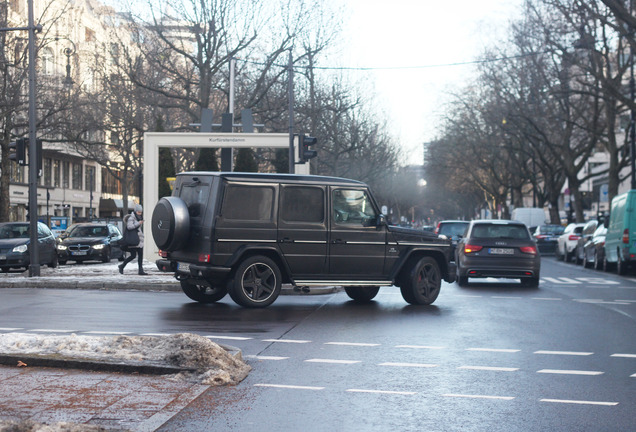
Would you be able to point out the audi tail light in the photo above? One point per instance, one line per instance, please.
(529, 249)
(472, 248)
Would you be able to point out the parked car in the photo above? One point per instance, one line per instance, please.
(586, 234)
(546, 237)
(566, 243)
(500, 249)
(620, 240)
(89, 242)
(299, 229)
(15, 239)
(594, 248)
(453, 230)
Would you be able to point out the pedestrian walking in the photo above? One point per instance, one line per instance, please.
(132, 228)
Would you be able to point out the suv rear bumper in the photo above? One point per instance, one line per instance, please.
(194, 270)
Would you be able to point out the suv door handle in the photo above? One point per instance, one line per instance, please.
(286, 240)
(338, 241)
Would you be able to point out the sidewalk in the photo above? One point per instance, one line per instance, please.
(102, 276)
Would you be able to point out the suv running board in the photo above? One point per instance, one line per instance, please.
(314, 283)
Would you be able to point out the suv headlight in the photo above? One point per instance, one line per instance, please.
(21, 249)
(98, 246)
(61, 247)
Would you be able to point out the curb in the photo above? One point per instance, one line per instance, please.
(128, 285)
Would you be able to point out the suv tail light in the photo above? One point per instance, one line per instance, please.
(204, 258)
(626, 236)
(472, 248)
(574, 237)
(163, 254)
(529, 249)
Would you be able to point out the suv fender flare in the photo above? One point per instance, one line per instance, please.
(448, 273)
(268, 250)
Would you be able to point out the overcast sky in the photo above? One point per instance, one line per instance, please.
(422, 34)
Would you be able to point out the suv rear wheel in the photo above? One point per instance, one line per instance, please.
(256, 283)
(203, 293)
(362, 294)
(423, 282)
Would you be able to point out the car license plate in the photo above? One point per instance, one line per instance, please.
(501, 251)
(78, 253)
(183, 267)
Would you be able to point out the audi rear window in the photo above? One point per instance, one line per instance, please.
(500, 231)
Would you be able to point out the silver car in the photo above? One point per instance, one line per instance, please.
(500, 249)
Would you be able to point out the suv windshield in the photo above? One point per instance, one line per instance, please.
(500, 231)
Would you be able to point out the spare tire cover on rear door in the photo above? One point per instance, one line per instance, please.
(170, 223)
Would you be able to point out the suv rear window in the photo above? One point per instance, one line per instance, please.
(254, 203)
(500, 231)
(195, 195)
(453, 229)
(302, 204)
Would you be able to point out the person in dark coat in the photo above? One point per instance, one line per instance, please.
(133, 221)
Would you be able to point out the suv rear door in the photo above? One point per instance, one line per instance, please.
(356, 243)
(302, 228)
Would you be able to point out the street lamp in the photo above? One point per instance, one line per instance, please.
(68, 52)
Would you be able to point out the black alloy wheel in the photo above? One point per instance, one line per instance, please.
(256, 283)
(423, 282)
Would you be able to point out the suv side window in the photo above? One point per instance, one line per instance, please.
(353, 208)
(253, 203)
(302, 204)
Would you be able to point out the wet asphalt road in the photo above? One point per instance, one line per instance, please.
(492, 356)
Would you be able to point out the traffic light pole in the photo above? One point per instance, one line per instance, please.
(34, 255)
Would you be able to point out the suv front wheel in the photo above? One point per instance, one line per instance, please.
(423, 282)
(256, 283)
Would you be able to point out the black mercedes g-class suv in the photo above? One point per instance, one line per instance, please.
(246, 234)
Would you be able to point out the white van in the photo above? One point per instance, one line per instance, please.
(531, 216)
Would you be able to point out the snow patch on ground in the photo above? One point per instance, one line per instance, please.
(212, 363)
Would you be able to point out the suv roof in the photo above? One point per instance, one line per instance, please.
(275, 177)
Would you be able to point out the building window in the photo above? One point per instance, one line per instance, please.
(66, 174)
(47, 61)
(77, 176)
(56, 173)
(46, 175)
(89, 181)
(16, 173)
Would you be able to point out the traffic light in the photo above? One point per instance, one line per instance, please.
(17, 151)
(304, 148)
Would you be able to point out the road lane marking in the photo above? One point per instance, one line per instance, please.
(500, 350)
(477, 396)
(284, 386)
(359, 344)
(420, 365)
(579, 402)
(98, 332)
(239, 338)
(569, 372)
(287, 341)
(156, 334)
(561, 280)
(598, 281)
(53, 331)
(382, 392)
(633, 376)
(421, 347)
(599, 301)
(10, 328)
(623, 301)
(624, 355)
(489, 368)
(506, 297)
(547, 298)
(334, 361)
(468, 296)
(257, 357)
(572, 353)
